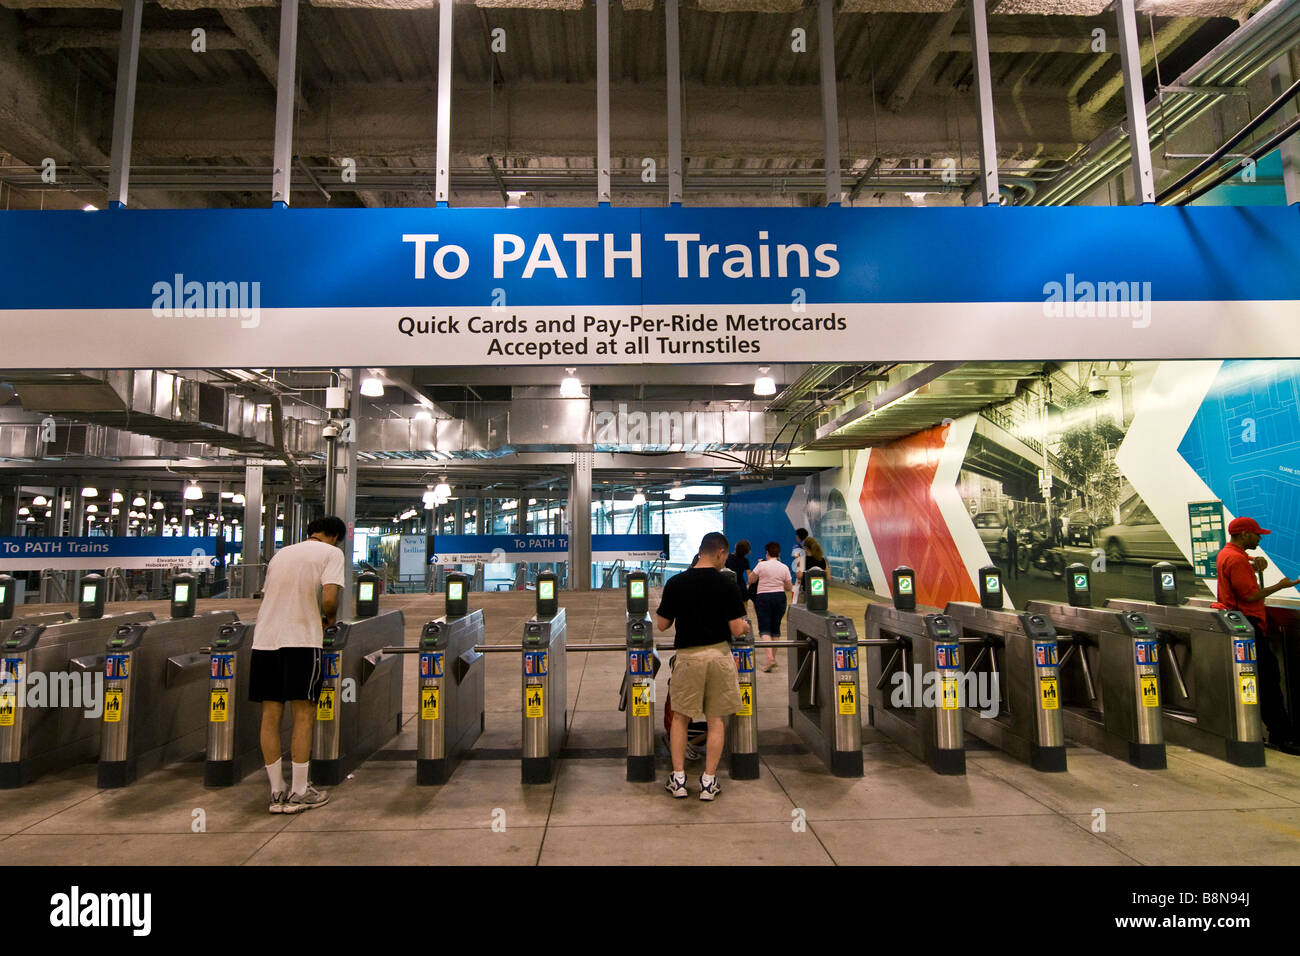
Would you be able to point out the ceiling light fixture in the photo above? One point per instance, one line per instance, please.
(89, 492)
(570, 387)
(372, 387)
(138, 502)
(117, 498)
(638, 499)
(764, 384)
(40, 500)
(193, 492)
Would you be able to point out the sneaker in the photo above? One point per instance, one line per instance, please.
(278, 801)
(675, 786)
(709, 792)
(299, 802)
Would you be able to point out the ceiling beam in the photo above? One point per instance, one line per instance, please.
(257, 46)
(46, 40)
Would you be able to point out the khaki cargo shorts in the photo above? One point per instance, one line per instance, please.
(704, 682)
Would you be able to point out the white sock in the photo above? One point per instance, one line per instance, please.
(707, 779)
(276, 774)
(300, 777)
(679, 776)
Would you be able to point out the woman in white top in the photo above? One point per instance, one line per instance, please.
(773, 594)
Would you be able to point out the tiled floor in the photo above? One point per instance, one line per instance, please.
(1102, 811)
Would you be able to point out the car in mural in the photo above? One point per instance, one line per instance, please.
(1080, 529)
(992, 528)
(1138, 535)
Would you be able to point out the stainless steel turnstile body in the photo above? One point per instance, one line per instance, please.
(453, 691)
(1208, 679)
(360, 704)
(545, 701)
(824, 692)
(914, 643)
(155, 694)
(1019, 652)
(1110, 681)
(42, 739)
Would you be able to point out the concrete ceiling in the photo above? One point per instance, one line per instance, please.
(752, 110)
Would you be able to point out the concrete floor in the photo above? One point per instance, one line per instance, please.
(1198, 811)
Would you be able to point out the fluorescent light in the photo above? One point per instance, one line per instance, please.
(638, 499)
(92, 509)
(66, 504)
(90, 207)
(193, 492)
(138, 502)
(135, 522)
(237, 500)
(706, 490)
(372, 387)
(189, 511)
(115, 512)
(158, 506)
(570, 387)
(40, 500)
(117, 498)
(24, 511)
(48, 513)
(678, 493)
(176, 520)
(443, 490)
(764, 384)
(30, 521)
(90, 492)
(227, 494)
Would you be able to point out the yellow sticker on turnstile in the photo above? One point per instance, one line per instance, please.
(848, 697)
(1150, 691)
(949, 695)
(533, 700)
(640, 700)
(218, 706)
(1051, 696)
(325, 704)
(428, 703)
(1249, 693)
(8, 706)
(113, 706)
(746, 700)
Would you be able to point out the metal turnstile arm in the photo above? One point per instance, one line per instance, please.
(888, 668)
(185, 667)
(89, 662)
(1172, 648)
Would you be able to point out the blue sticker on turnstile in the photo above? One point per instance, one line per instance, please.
(116, 667)
(640, 663)
(1243, 652)
(945, 657)
(534, 663)
(846, 658)
(1145, 652)
(1044, 655)
(331, 665)
(744, 658)
(223, 666)
(11, 670)
(431, 664)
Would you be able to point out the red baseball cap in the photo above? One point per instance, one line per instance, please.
(1245, 526)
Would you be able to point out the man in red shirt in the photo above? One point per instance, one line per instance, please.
(1240, 589)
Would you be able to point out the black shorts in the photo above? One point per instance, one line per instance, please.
(290, 673)
(769, 608)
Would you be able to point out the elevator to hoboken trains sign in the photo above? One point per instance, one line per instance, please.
(606, 286)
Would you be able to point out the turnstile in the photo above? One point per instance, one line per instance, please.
(1018, 655)
(155, 694)
(907, 649)
(638, 701)
(453, 688)
(9, 625)
(824, 692)
(545, 711)
(234, 722)
(61, 728)
(1208, 678)
(360, 704)
(1110, 697)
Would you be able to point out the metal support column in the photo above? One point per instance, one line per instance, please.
(77, 528)
(271, 503)
(128, 58)
(988, 140)
(282, 166)
(602, 102)
(1281, 75)
(345, 487)
(1130, 61)
(674, 103)
(580, 522)
(252, 549)
(830, 100)
(443, 178)
(521, 512)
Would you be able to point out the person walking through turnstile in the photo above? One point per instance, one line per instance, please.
(303, 584)
(773, 590)
(706, 608)
(1241, 589)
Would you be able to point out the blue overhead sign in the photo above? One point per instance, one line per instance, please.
(458, 548)
(600, 286)
(96, 552)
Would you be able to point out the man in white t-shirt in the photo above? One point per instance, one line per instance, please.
(303, 584)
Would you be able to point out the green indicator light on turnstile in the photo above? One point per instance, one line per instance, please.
(366, 591)
(4, 593)
(636, 589)
(992, 583)
(546, 590)
(182, 593)
(455, 591)
(904, 585)
(117, 642)
(817, 586)
(88, 593)
(1081, 582)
